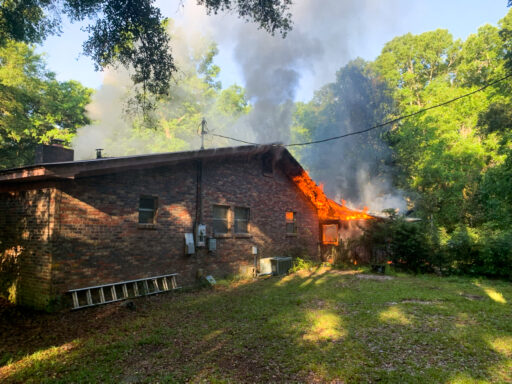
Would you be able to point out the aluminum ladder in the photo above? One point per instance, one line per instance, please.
(109, 293)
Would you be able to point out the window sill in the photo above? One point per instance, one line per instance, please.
(222, 235)
(146, 226)
(292, 234)
(243, 235)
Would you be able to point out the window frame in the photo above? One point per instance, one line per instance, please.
(324, 241)
(293, 221)
(227, 220)
(154, 210)
(235, 220)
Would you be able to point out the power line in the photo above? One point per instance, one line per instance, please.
(380, 125)
(232, 138)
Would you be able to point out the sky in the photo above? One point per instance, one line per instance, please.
(362, 33)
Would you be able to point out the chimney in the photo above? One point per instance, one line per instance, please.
(53, 153)
(98, 153)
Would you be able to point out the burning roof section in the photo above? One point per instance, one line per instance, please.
(327, 209)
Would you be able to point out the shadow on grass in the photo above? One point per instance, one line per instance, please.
(319, 326)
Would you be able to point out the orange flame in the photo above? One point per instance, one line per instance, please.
(327, 209)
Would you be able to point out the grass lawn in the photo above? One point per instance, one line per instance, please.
(319, 326)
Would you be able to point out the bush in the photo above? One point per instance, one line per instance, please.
(405, 244)
(480, 251)
(300, 264)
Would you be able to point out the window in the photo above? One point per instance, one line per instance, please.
(147, 209)
(242, 220)
(220, 219)
(291, 224)
(330, 234)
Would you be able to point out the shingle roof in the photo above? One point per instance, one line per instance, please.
(72, 169)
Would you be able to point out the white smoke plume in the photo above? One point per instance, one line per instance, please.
(325, 36)
(113, 128)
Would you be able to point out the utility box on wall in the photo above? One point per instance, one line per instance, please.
(201, 235)
(189, 244)
(212, 245)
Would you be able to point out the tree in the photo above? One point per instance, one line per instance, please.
(127, 32)
(34, 107)
(355, 101)
(174, 122)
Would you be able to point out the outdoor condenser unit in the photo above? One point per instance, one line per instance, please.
(281, 265)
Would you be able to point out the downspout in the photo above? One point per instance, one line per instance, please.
(199, 195)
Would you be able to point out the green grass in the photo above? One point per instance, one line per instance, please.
(321, 326)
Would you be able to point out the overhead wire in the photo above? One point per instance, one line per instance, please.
(380, 125)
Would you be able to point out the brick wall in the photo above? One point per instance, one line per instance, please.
(98, 238)
(26, 227)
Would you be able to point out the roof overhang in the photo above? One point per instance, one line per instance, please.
(83, 168)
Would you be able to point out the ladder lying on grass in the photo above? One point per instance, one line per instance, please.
(109, 293)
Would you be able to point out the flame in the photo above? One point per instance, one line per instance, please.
(327, 209)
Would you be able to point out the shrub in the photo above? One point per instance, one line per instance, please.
(405, 244)
(300, 264)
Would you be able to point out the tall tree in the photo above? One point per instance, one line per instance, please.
(355, 101)
(174, 123)
(34, 107)
(127, 32)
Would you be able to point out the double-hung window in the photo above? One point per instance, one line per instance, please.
(228, 220)
(242, 216)
(147, 209)
(220, 219)
(291, 222)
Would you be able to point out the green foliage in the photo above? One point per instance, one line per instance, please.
(405, 244)
(127, 32)
(356, 100)
(454, 162)
(272, 16)
(300, 264)
(174, 123)
(480, 251)
(34, 107)
(132, 33)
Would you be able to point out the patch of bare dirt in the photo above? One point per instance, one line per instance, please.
(374, 277)
(472, 297)
(417, 301)
(345, 272)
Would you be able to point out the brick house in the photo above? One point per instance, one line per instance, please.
(69, 224)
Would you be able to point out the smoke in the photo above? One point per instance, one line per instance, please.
(325, 36)
(119, 128)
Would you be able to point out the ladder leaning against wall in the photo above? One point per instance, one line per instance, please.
(109, 293)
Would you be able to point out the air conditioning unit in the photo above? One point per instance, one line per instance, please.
(281, 265)
(266, 266)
